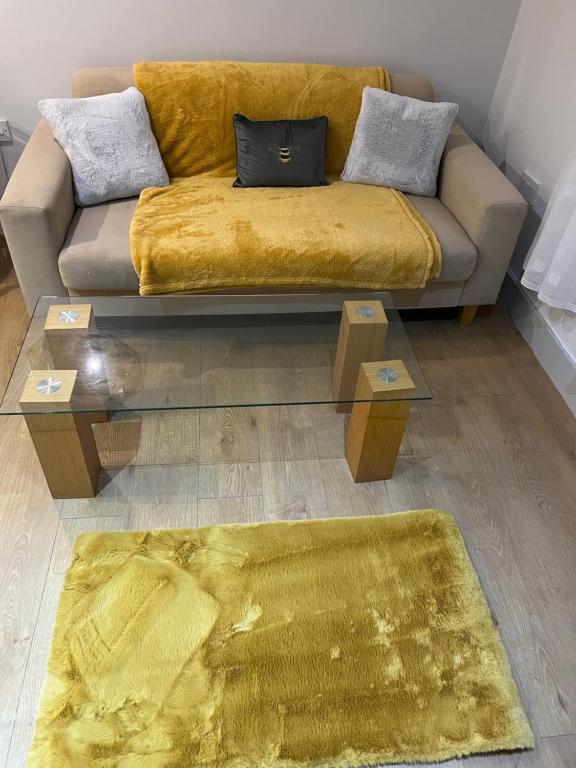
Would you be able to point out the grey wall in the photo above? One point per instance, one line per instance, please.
(532, 127)
(459, 44)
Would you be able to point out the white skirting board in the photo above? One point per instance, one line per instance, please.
(551, 355)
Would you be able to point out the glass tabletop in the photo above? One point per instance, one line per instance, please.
(188, 352)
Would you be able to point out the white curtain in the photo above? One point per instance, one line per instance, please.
(550, 266)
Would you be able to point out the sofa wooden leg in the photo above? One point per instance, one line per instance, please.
(467, 314)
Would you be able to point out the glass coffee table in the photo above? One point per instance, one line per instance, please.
(85, 359)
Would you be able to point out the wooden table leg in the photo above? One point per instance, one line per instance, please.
(67, 451)
(67, 327)
(99, 417)
(377, 425)
(362, 334)
(64, 441)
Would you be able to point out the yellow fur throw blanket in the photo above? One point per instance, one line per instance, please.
(201, 234)
(191, 105)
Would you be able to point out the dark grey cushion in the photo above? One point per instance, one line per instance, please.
(280, 153)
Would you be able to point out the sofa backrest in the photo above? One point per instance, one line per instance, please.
(99, 80)
(257, 100)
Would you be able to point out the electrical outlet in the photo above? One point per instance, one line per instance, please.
(5, 134)
(529, 187)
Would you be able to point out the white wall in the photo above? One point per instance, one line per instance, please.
(532, 126)
(459, 44)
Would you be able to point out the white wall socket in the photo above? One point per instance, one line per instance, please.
(5, 134)
(528, 187)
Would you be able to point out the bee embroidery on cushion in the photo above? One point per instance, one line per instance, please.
(283, 154)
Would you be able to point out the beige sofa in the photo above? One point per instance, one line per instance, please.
(58, 249)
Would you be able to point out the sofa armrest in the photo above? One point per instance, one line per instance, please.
(35, 211)
(489, 208)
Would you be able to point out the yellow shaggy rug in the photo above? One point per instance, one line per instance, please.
(346, 642)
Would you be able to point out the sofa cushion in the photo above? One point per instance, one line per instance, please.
(96, 253)
(459, 254)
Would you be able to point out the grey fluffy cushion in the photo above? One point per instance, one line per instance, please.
(110, 144)
(398, 142)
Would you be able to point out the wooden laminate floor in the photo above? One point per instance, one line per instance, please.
(496, 448)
